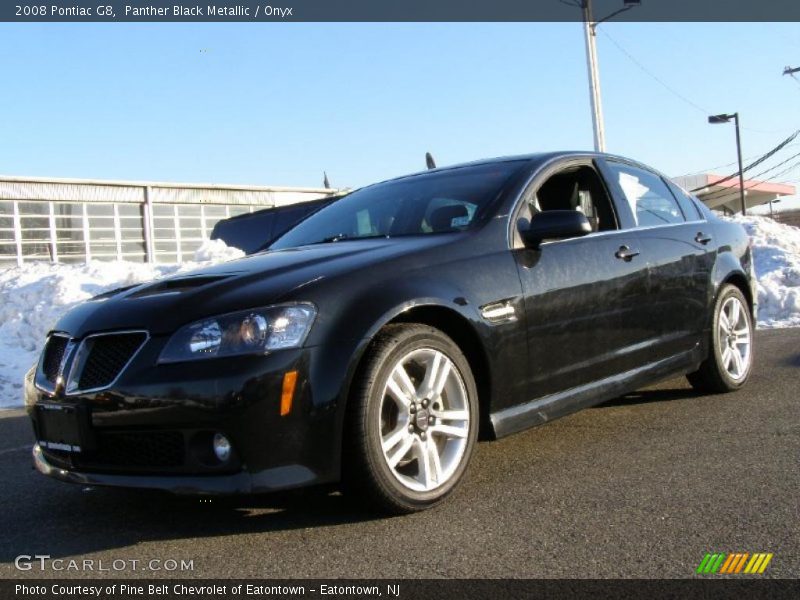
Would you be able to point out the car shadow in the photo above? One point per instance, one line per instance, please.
(650, 395)
(77, 521)
(793, 361)
(67, 520)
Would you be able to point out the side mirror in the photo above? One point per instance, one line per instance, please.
(554, 225)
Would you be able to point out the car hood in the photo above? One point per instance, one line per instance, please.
(164, 305)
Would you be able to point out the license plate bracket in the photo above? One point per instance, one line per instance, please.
(62, 426)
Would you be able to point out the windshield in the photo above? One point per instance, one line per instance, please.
(438, 202)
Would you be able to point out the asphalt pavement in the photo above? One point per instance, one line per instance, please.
(642, 486)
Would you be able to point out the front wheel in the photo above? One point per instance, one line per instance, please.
(412, 421)
(730, 359)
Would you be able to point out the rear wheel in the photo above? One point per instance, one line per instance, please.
(730, 359)
(412, 420)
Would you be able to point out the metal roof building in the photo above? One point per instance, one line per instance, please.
(724, 195)
(74, 220)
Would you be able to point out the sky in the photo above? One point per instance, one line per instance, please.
(278, 104)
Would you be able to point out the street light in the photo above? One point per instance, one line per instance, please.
(715, 119)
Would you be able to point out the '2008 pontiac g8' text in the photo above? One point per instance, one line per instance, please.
(372, 342)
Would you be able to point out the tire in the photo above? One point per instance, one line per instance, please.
(730, 358)
(412, 421)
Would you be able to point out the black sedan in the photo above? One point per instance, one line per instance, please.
(377, 339)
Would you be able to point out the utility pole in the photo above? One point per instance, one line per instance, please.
(594, 77)
(590, 33)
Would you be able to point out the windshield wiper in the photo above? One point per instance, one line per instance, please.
(346, 236)
(333, 238)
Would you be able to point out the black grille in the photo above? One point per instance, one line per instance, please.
(53, 353)
(155, 449)
(127, 451)
(108, 355)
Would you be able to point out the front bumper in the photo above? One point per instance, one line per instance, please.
(238, 397)
(269, 480)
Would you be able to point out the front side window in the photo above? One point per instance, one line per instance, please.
(437, 202)
(577, 188)
(648, 196)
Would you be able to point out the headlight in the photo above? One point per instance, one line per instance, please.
(255, 331)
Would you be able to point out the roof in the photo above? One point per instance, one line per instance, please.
(710, 180)
(718, 194)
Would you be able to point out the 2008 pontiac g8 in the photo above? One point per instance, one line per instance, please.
(374, 341)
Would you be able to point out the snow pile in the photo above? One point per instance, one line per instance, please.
(214, 251)
(776, 248)
(34, 296)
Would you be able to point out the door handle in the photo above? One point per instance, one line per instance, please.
(625, 253)
(702, 238)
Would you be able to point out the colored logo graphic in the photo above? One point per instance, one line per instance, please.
(736, 562)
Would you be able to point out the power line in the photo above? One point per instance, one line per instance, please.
(735, 193)
(716, 194)
(730, 164)
(634, 60)
(755, 163)
(665, 85)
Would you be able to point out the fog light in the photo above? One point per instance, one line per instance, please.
(222, 447)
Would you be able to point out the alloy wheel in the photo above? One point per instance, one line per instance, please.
(424, 419)
(734, 338)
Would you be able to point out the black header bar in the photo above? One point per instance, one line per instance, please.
(271, 11)
(396, 589)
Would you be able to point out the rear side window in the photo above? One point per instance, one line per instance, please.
(650, 199)
(688, 207)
